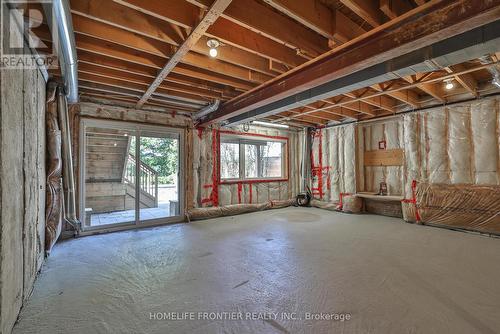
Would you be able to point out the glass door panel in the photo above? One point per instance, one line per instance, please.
(158, 168)
(109, 177)
(130, 174)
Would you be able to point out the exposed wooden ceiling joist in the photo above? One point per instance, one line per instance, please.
(159, 53)
(309, 118)
(225, 30)
(465, 80)
(104, 88)
(319, 115)
(368, 10)
(381, 44)
(394, 8)
(331, 114)
(383, 102)
(146, 43)
(432, 89)
(109, 49)
(89, 68)
(97, 96)
(177, 98)
(211, 16)
(360, 106)
(140, 87)
(311, 13)
(374, 95)
(122, 45)
(125, 57)
(346, 29)
(137, 69)
(331, 107)
(407, 96)
(295, 122)
(262, 20)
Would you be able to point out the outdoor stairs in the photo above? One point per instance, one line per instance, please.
(110, 174)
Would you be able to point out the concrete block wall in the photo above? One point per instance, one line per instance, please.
(22, 187)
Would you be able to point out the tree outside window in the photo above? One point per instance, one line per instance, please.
(244, 158)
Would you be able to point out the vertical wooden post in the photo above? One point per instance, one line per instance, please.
(156, 190)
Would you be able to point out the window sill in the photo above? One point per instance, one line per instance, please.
(250, 181)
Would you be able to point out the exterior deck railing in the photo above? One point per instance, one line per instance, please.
(148, 177)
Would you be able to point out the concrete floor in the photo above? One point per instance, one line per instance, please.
(127, 216)
(389, 276)
(166, 193)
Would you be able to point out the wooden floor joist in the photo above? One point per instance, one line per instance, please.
(429, 24)
(390, 91)
(213, 14)
(225, 30)
(131, 49)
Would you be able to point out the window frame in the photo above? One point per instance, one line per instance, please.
(248, 138)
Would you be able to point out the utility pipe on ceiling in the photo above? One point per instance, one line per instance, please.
(207, 110)
(60, 15)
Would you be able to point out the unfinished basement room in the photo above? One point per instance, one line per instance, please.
(250, 166)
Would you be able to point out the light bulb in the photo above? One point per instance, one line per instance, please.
(213, 44)
(496, 81)
(449, 85)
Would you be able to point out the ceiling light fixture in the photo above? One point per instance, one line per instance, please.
(273, 125)
(213, 44)
(449, 84)
(496, 80)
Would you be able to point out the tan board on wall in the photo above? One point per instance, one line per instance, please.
(392, 157)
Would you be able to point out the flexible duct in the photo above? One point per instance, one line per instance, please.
(207, 110)
(495, 73)
(68, 177)
(305, 167)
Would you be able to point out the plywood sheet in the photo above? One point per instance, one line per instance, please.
(392, 157)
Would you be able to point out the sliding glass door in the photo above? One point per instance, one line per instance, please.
(130, 175)
(159, 173)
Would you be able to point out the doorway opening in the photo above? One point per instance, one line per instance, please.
(130, 175)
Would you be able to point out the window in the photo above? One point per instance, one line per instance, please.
(230, 160)
(247, 157)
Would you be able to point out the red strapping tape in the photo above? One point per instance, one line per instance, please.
(239, 193)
